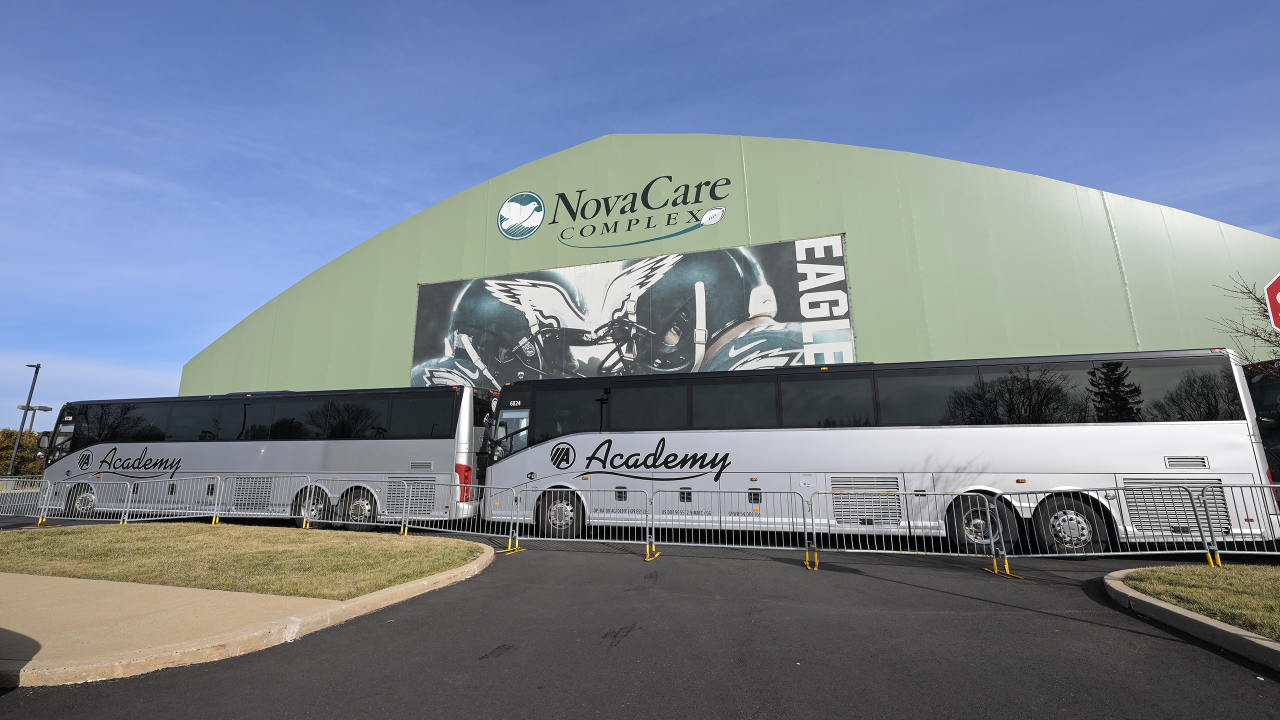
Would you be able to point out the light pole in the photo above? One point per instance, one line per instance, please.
(17, 440)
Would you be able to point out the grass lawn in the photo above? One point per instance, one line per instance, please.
(1247, 596)
(249, 558)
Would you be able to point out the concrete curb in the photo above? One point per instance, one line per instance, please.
(217, 648)
(1241, 642)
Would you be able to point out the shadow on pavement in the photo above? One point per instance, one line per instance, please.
(16, 650)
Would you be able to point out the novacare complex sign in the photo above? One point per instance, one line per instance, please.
(661, 209)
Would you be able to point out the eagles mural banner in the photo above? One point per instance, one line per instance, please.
(743, 308)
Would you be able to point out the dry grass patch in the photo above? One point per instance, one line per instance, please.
(1247, 596)
(271, 560)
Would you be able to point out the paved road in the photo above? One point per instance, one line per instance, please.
(17, 522)
(593, 631)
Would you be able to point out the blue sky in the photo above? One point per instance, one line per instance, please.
(166, 168)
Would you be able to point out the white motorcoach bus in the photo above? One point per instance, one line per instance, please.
(338, 457)
(1082, 452)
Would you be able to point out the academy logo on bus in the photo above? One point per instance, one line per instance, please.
(85, 460)
(520, 216)
(563, 455)
(141, 462)
(658, 459)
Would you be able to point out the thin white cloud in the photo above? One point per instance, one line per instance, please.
(64, 379)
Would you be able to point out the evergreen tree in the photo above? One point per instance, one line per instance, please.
(1115, 397)
(27, 462)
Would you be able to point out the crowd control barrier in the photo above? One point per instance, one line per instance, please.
(20, 495)
(1136, 518)
(1256, 513)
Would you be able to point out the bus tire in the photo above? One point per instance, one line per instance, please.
(560, 514)
(81, 501)
(358, 510)
(1070, 526)
(977, 528)
(318, 511)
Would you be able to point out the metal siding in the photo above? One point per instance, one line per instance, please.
(945, 259)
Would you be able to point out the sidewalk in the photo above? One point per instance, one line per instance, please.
(57, 630)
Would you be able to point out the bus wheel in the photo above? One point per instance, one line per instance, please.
(1068, 525)
(359, 510)
(312, 506)
(978, 528)
(81, 502)
(560, 514)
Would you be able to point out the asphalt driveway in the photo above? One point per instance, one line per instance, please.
(594, 631)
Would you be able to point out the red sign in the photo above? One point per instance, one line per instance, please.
(1273, 301)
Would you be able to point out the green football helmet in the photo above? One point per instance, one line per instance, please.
(519, 327)
(667, 309)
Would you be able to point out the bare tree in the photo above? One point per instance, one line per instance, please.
(1256, 340)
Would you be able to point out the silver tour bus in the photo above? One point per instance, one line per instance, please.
(1078, 454)
(353, 458)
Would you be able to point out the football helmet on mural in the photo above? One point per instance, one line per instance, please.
(449, 371)
(517, 329)
(666, 310)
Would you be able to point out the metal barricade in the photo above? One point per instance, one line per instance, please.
(172, 498)
(1241, 519)
(272, 496)
(1129, 520)
(588, 515)
(80, 499)
(20, 495)
(456, 508)
(916, 522)
(726, 518)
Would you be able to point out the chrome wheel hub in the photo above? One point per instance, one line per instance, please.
(1071, 529)
(85, 502)
(360, 510)
(979, 528)
(560, 515)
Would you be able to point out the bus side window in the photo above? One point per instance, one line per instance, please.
(423, 415)
(482, 409)
(648, 405)
(194, 421)
(143, 422)
(918, 396)
(245, 418)
(567, 409)
(827, 400)
(1165, 390)
(749, 402)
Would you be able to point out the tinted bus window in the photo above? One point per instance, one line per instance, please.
(835, 400)
(348, 416)
(919, 397)
(427, 415)
(194, 421)
(290, 419)
(143, 422)
(649, 406)
(246, 418)
(482, 408)
(1024, 395)
(563, 410)
(89, 425)
(735, 403)
(1186, 389)
(1264, 386)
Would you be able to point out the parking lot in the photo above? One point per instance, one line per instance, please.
(592, 630)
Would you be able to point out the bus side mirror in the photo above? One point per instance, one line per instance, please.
(43, 442)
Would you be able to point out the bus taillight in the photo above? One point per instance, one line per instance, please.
(464, 479)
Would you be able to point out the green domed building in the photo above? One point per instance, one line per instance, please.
(941, 260)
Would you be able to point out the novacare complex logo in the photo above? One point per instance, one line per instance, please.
(660, 209)
(520, 216)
